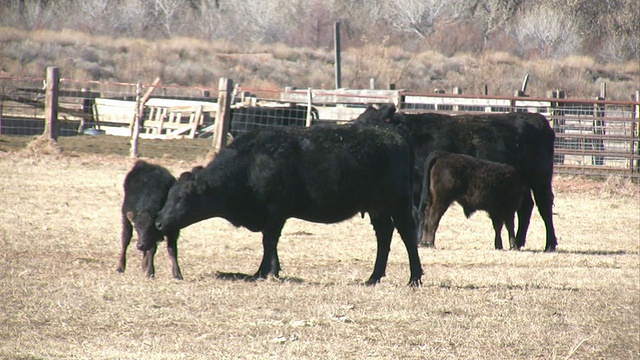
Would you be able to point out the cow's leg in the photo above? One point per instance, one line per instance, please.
(544, 201)
(434, 213)
(497, 227)
(383, 226)
(508, 222)
(149, 255)
(144, 264)
(270, 262)
(406, 228)
(127, 233)
(172, 250)
(524, 218)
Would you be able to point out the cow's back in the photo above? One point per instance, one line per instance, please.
(146, 187)
(522, 140)
(323, 174)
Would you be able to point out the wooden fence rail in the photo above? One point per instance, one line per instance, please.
(593, 136)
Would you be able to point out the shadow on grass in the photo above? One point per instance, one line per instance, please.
(250, 278)
(583, 252)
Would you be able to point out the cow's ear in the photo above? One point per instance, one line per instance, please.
(130, 216)
(387, 112)
(196, 169)
(186, 176)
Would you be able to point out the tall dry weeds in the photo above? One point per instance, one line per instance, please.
(197, 62)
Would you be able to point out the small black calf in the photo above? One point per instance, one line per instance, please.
(145, 191)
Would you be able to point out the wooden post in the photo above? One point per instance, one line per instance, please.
(456, 91)
(485, 91)
(87, 108)
(337, 55)
(135, 124)
(557, 122)
(598, 129)
(372, 83)
(635, 133)
(309, 107)
(223, 116)
(195, 122)
(524, 84)
(51, 104)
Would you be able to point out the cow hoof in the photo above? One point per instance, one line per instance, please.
(120, 270)
(372, 282)
(415, 283)
(550, 249)
(178, 277)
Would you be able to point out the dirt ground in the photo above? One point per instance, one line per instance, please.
(63, 299)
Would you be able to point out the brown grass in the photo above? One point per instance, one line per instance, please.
(62, 298)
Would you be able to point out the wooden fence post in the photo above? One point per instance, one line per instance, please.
(309, 107)
(635, 133)
(457, 91)
(598, 129)
(223, 116)
(135, 124)
(51, 104)
(557, 122)
(336, 44)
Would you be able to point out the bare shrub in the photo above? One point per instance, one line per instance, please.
(452, 38)
(545, 32)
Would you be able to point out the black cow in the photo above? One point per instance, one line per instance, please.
(522, 140)
(476, 184)
(248, 118)
(321, 174)
(145, 190)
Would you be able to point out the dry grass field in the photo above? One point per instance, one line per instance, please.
(61, 297)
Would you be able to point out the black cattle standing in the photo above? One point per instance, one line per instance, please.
(476, 184)
(522, 140)
(145, 190)
(323, 174)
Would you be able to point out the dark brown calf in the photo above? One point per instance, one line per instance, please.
(475, 184)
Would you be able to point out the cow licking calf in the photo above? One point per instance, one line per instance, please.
(475, 184)
(145, 190)
(319, 174)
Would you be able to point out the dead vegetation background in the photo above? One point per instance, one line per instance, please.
(198, 62)
(63, 299)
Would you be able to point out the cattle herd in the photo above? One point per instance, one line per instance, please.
(403, 170)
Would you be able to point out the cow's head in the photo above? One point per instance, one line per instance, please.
(377, 115)
(148, 234)
(185, 203)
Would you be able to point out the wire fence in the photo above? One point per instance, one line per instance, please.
(593, 137)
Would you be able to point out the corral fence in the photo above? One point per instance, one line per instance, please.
(595, 137)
